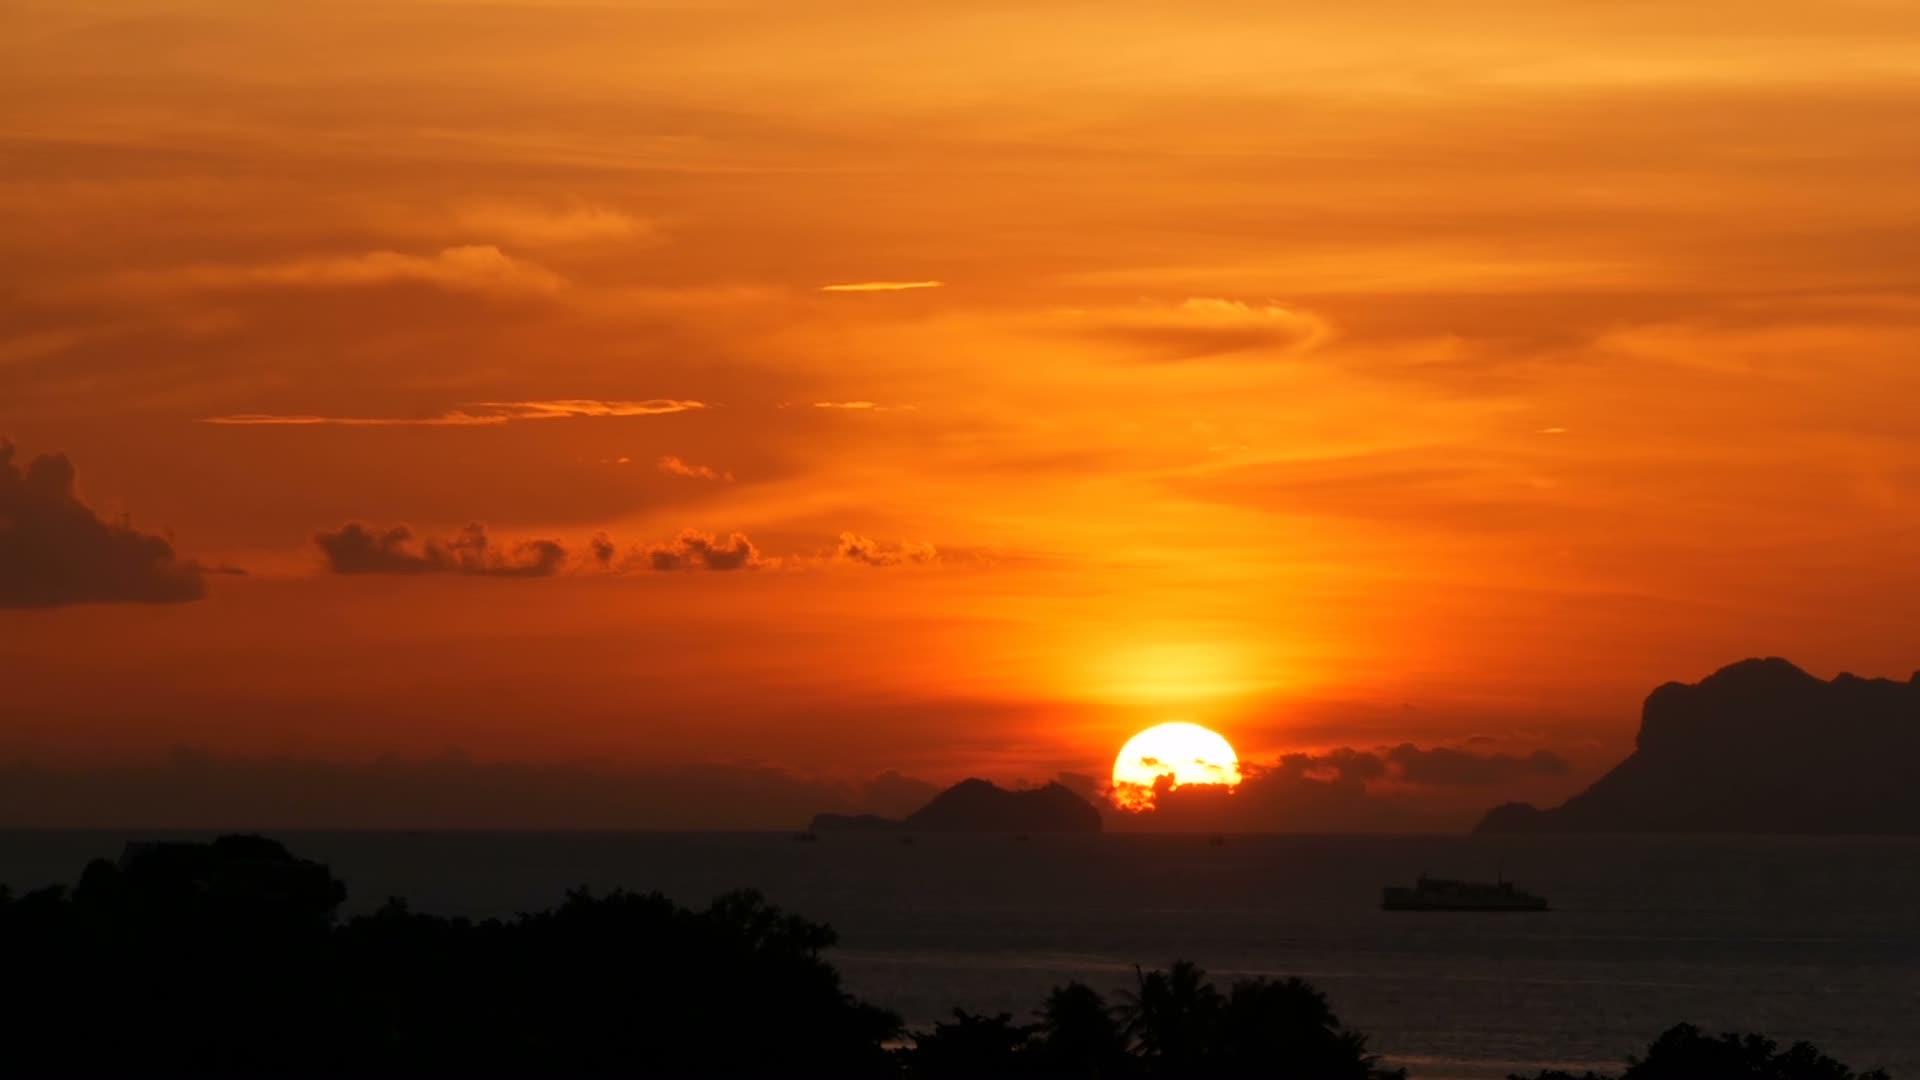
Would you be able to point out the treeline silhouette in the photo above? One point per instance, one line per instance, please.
(229, 958)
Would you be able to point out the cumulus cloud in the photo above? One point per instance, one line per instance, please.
(354, 548)
(676, 466)
(866, 551)
(1203, 327)
(695, 550)
(473, 414)
(55, 550)
(881, 286)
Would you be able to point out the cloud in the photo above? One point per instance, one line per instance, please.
(1203, 327)
(196, 790)
(602, 549)
(1443, 765)
(471, 268)
(855, 548)
(861, 406)
(55, 550)
(694, 550)
(353, 548)
(1399, 788)
(542, 226)
(473, 414)
(674, 466)
(892, 794)
(881, 286)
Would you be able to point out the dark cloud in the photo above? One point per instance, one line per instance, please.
(892, 794)
(1085, 785)
(55, 550)
(1399, 788)
(1444, 765)
(694, 550)
(195, 790)
(869, 552)
(354, 548)
(602, 549)
(1437, 766)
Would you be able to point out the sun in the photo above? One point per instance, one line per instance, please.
(1188, 753)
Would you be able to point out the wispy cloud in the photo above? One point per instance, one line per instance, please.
(881, 286)
(1203, 327)
(675, 466)
(471, 268)
(471, 414)
(540, 225)
(861, 406)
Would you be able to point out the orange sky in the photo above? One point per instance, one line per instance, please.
(1334, 376)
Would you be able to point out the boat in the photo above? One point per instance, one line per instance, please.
(1445, 894)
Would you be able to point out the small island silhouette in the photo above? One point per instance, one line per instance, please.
(1757, 747)
(976, 805)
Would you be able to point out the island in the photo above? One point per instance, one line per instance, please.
(976, 805)
(1757, 747)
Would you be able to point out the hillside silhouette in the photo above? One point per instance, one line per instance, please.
(981, 806)
(1757, 747)
(228, 959)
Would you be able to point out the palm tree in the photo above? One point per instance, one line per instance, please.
(1172, 1018)
(1079, 1036)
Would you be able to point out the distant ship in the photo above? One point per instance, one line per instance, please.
(1441, 894)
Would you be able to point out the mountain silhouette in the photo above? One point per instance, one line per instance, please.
(1757, 747)
(981, 806)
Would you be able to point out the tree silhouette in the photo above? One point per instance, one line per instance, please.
(1286, 1028)
(1173, 1018)
(1079, 1036)
(1182, 1026)
(972, 1046)
(1684, 1052)
(227, 959)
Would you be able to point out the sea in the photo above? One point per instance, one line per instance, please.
(1797, 938)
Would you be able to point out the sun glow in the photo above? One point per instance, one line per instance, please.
(1186, 753)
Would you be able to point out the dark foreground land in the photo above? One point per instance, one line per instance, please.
(228, 958)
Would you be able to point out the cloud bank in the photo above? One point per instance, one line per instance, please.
(1404, 788)
(354, 548)
(195, 790)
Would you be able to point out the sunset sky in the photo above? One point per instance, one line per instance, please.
(947, 388)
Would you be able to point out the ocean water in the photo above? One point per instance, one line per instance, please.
(1799, 938)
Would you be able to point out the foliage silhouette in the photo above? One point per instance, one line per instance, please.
(228, 959)
(225, 958)
(973, 1045)
(1078, 1035)
(1182, 1026)
(1684, 1052)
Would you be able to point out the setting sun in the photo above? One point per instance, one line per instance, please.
(1189, 753)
